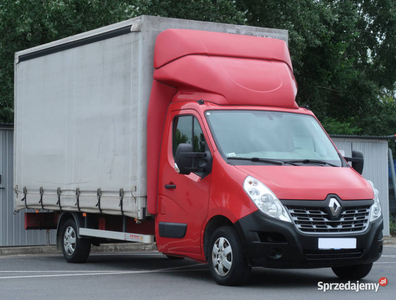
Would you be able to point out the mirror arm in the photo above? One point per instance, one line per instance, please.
(193, 154)
(354, 159)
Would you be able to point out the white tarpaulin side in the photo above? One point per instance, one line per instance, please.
(77, 127)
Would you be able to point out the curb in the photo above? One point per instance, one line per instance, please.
(124, 247)
(25, 250)
(390, 240)
(51, 249)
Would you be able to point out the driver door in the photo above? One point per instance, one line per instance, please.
(183, 199)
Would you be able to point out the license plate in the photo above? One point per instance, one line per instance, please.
(337, 243)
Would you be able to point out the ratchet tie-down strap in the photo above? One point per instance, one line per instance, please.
(99, 193)
(59, 192)
(41, 191)
(78, 192)
(122, 201)
(24, 196)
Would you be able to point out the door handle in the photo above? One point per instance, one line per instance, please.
(170, 186)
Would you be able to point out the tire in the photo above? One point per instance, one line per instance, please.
(227, 263)
(352, 272)
(75, 249)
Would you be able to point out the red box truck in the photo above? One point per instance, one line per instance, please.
(187, 133)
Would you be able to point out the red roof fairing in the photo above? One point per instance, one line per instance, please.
(245, 70)
(172, 44)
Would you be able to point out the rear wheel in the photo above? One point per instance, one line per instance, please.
(227, 262)
(352, 272)
(75, 249)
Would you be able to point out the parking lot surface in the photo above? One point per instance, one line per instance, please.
(149, 274)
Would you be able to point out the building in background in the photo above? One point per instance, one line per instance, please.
(376, 159)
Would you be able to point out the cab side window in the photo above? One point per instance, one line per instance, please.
(186, 129)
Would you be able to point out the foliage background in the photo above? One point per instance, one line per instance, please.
(343, 52)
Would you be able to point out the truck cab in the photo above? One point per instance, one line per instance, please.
(245, 176)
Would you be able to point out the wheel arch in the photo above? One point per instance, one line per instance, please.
(78, 219)
(214, 223)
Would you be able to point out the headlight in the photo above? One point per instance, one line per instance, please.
(265, 199)
(375, 211)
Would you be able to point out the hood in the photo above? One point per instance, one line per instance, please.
(311, 182)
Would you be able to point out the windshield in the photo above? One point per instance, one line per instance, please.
(261, 136)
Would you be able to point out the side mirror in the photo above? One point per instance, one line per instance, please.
(357, 161)
(188, 161)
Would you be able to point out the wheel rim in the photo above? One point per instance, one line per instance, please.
(222, 256)
(69, 240)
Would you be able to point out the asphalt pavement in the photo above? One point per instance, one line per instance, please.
(149, 274)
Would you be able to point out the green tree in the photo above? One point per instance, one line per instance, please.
(222, 11)
(343, 54)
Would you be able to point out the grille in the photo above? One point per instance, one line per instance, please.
(333, 254)
(315, 219)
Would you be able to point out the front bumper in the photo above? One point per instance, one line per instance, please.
(273, 243)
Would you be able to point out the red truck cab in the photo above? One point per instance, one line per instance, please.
(239, 175)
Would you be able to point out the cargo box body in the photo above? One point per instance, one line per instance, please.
(81, 107)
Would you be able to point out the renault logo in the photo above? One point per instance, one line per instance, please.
(334, 206)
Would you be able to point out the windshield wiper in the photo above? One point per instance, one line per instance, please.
(313, 161)
(257, 159)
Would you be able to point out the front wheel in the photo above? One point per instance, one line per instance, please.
(353, 272)
(227, 262)
(75, 249)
